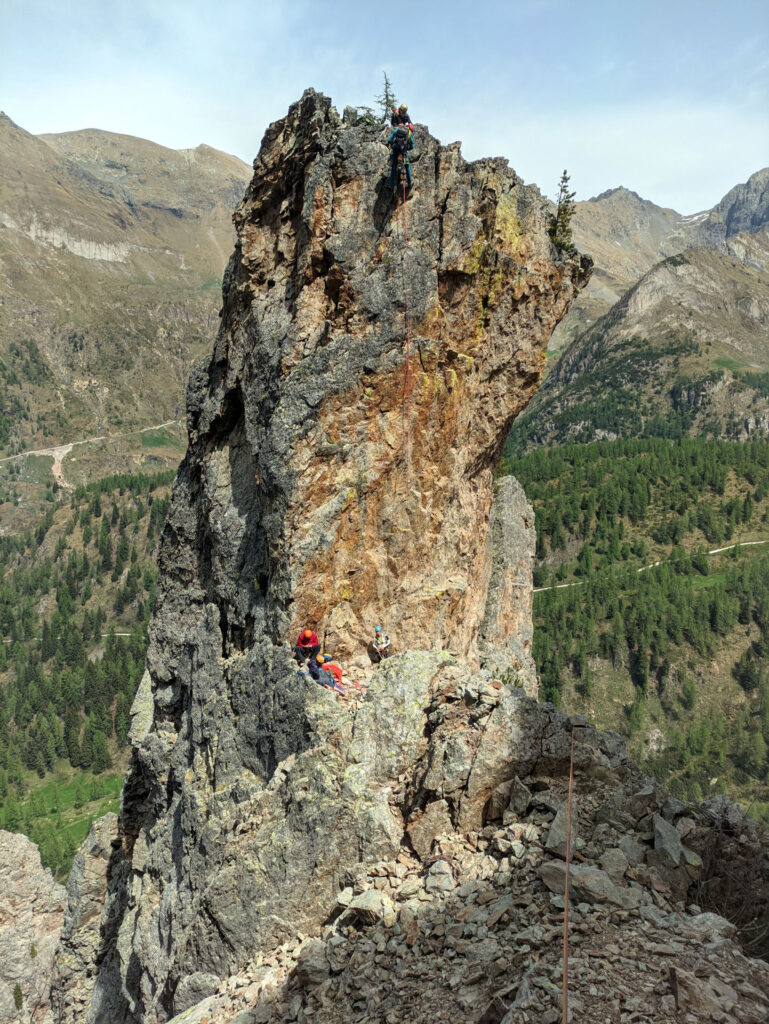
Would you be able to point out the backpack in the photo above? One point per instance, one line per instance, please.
(402, 143)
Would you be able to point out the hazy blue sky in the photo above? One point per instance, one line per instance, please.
(670, 99)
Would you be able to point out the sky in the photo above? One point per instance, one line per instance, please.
(669, 99)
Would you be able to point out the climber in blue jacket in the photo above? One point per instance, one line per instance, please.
(315, 666)
(401, 142)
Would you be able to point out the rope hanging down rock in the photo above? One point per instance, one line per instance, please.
(407, 346)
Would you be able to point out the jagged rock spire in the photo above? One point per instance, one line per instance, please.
(336, 477)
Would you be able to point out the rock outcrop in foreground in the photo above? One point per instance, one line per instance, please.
(31, 915)
(322, 858)
(468, 926)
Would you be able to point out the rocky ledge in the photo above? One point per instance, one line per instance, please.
(410, 865)
(465, 922)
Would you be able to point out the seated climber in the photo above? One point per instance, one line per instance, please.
(400, 115)
(315, 666)
(307, 646)
(401, 142)
(323, 671)
(333, 675)
(380, 644)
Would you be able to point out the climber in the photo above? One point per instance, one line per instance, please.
(401, 142)
(381, 644)
(316, 666)
(327, 674)
(400, 115)
(333, 674)
(307, 646)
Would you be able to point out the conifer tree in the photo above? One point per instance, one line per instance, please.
(560, 221)
(386, 99)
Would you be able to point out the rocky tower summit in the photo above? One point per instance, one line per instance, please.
(336, 475)
(342, 444)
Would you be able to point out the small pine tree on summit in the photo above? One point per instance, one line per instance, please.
(386, 99)
(560, 221)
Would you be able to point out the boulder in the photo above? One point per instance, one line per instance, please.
(193, 988)
(440, 878)
(556, 837)
(432, 822)
(520, 798)
(667, 840)
(587, 883)
(634, 851)
(615, 864)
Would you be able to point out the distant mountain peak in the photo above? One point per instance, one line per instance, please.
(619, 190)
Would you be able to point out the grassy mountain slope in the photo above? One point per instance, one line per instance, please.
(111, 256)
(684, 352)
(627, 235)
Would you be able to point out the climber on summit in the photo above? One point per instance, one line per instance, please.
(401, 142)
(400, 115)
(307, 646)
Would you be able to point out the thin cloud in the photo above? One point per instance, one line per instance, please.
(678, 115)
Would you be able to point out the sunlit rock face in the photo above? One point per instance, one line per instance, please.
(32, 908)
(373, 457)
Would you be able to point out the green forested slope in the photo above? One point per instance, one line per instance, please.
(68, 590)
(674, 655)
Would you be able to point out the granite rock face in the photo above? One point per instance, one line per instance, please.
(342, 474)
(31, 916)
(343, 438)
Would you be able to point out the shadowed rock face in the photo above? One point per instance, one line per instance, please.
(336, 476)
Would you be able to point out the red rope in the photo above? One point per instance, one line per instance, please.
(566, 890)
(407, 385)
(408, 326)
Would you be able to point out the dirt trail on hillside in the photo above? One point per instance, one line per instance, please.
(653, 565)
(59, 452)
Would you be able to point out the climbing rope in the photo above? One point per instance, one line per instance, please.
(407, 346)
(407, 298)
(566, 890)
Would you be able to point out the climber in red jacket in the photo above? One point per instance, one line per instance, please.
(307, 646)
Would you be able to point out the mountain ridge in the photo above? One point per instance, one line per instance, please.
(626, 235)
(109, 279)
(686, 344)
